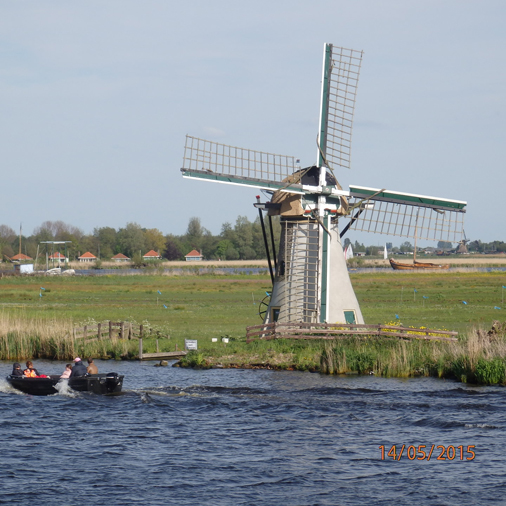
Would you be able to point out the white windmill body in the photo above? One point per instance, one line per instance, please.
(310, 277)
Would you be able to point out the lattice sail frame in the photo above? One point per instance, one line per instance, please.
(223, 160)
(339, 92)
(410, 221)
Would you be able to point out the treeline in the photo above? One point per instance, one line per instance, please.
(241, 241)
(487, 247)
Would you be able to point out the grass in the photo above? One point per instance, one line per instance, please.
(214, 306)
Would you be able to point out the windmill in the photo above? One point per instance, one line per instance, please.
(310, 279)
(462, 246)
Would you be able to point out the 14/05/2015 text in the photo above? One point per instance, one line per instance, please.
(424, 452)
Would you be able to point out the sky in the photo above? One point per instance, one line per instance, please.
(96, 98)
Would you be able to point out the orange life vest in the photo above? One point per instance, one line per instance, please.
(30, 373)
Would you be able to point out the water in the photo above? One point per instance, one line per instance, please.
(250, 437)
(176, 270)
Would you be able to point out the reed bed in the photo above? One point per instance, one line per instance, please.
(478, 357)
(23, 338)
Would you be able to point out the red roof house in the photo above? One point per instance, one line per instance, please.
(193, 256)
(152, 255)
(21, 257)
(57, 256)
(87, 257)
(120, 258)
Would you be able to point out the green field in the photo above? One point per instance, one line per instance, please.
(205, 307)
(213, 306)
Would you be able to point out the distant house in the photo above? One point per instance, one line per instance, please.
(120, 258)
(152, 255)
(87, 257)
(20, 257)
(194, 256)
(58, 257)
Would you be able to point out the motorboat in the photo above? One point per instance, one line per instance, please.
(102, 384)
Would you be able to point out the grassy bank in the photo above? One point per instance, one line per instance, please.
(479, 357)
(216, 306)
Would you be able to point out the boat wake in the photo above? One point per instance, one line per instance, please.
(63, 389)
(7, 389)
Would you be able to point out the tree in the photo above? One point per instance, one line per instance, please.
(358, 247)
(155, 240)
(221, 250)
(444, 245)
(406, 247)
(7, 239)
(173, 248)
(105, 239)
(61, 231)
(131, 239)
(243, 237)
(227, 232)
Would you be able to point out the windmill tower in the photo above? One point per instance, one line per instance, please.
(310, 278)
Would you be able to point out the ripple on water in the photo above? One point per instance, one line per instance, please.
(250, 437)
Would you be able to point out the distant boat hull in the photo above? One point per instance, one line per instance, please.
(399, 266)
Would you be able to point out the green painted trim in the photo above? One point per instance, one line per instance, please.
(406, 198)
(243, 181)
(325, 270)
(350, 316)
(324, 112)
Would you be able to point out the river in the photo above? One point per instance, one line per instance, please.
(252, 437)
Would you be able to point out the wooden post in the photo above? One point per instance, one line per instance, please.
(141, 328)
(140, 348)
(157, 350)
(130, 331)
(110, 329)
(122, 330)
(99, 331)
(85, 332)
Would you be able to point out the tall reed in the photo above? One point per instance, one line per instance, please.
(478, 357)
(23, 338)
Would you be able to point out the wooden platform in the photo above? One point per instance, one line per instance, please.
(164, 355)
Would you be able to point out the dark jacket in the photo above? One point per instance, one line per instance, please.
(79, 369)
(16, 370)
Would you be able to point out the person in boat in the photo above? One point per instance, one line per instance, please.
(92, 368)
(66, 372)
(79, 369)
(30, 371)
(16, 370)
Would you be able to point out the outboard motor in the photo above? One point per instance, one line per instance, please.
(112, 380)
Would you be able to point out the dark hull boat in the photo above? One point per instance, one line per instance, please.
(102, 384)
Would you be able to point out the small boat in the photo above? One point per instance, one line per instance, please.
(102, 384)
(399, 266)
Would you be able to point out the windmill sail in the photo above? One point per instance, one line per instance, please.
(406, 214)
(311, 282)
(217, 162)
(341, 70)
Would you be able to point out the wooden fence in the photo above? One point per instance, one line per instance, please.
(127, 330)
(118, 330)
(277, 330)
